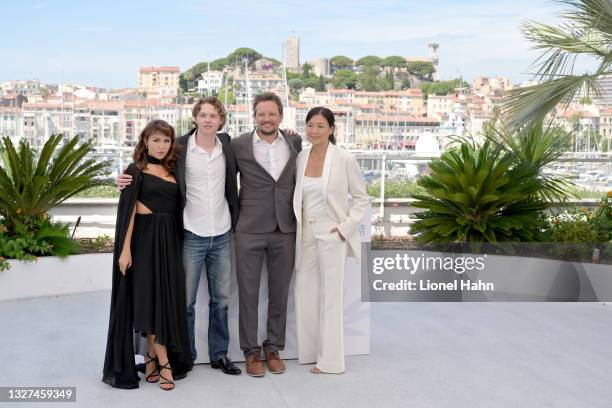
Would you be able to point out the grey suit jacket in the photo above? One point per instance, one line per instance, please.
(265, 204)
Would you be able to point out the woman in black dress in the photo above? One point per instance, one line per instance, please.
(148, 296)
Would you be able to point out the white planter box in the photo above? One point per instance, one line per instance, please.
(52, 276)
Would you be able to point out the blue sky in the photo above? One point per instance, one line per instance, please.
(104, 43)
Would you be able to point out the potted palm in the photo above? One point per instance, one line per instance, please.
(32, 181)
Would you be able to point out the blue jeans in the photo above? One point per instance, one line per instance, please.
(212, 253)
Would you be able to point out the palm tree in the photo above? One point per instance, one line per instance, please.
(538, 146)
(586, 32)
(33, 182)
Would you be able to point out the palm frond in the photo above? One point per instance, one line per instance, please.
(586, 31)
(592, 14)
(560, 47)
(530, 105)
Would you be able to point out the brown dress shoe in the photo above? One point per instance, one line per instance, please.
(275, 364)
(254, 365)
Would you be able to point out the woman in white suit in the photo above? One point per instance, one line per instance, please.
(326, 235)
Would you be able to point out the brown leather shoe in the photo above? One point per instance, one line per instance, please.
(254, 365)
(275, 364)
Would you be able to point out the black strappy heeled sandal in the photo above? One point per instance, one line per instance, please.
(166, 381)
(153, 377)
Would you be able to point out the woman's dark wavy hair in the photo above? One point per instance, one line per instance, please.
(140, 153)
(328, 115)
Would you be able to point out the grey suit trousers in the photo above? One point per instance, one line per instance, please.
(250, 250)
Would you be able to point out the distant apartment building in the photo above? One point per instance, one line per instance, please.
(107, 123)
(126, 94)
(10, 122)
(101, 121)
(12, 100)
(392, 130)
(41, 120)
(311, 97)
(292, 53)
(210, 83)
(27, 88)
(605, 123)
(604, 99)
(257, 82)
(264, 64)
(409, 100)
(239, 119)
(85, 93)
(158, 82)
(439, 106)
(137, 113)
(491, 86)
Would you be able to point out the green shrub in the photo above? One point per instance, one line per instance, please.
(580, 231)
(583, 225)
(396, 189)
(478, 194)
(33, 181)
(32, 236)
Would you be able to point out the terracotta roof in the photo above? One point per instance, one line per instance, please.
(605, 112)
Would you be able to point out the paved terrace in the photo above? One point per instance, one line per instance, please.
(422, 355)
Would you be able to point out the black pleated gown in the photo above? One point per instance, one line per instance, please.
(150, 298)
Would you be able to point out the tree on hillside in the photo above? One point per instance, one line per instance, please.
(344, 78)
(423, 69)
(307, 71)
(316, 82)
(442, 87)
(295, 84)
(368, 80)
(394, 61)
(369, 60)
(239, 54)
(340, 62)
(219, 64)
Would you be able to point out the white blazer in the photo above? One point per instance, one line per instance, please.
(341, 177)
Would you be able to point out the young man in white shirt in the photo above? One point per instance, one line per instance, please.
(206, 174)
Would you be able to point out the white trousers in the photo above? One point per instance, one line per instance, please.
(319, 287)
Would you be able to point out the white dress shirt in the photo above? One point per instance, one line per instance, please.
(272, 156)
(206, 212)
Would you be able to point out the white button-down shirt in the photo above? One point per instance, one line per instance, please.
(272, 156)
(206, 212)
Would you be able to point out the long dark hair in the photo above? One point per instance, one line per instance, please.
(140, 153)
(329, 117)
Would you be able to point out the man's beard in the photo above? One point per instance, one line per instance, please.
(267, 133)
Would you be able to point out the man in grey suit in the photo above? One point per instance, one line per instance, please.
(266, 225)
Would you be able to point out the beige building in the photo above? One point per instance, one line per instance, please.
(440, 105)
(391, 129)
(292, 53)
(491, 86)
(605, 123)
(320, 66)
(159, 82)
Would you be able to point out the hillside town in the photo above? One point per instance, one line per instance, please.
(380, 103)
